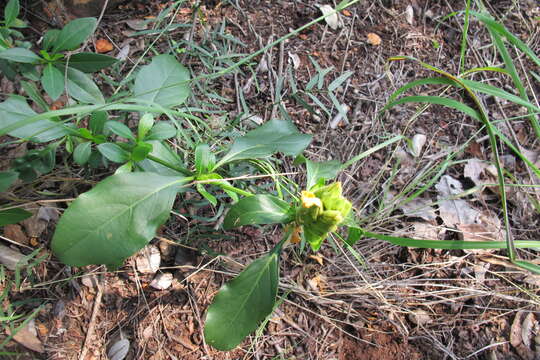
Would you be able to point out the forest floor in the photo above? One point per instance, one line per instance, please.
(399, 303)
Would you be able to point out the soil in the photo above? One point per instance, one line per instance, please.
(470, 302)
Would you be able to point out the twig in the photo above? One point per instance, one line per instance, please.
(91, 326)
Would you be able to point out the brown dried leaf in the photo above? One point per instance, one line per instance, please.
(103, 46)
(27, 337)
(374, 39)
(14, 232)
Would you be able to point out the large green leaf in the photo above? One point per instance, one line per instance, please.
(91, 62)
(242, 304)
(16, 109)
(268, 139)
(73, 34)
(325, 170)
(11, 11)
(258, 209)
(81, 87)
(115, 219)
(20, 55)
(52, 81)
(164, 81)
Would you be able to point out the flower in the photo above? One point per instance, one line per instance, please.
(322, 210)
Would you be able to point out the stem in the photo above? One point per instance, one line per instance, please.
(170, 166)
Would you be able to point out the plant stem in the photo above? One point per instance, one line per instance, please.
(170, 166)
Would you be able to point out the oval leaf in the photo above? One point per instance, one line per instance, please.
(164, 81)
(82, 153)
(82, 88)
(106, 225)
(268, 139)
(15, 109)
(91, 62)
(258, 209)
(73, 34)
(113, 152)
(242, 304)
(19, 55)
(52, 81)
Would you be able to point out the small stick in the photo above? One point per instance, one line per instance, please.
(91, 326)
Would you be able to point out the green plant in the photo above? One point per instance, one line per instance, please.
(121, 214)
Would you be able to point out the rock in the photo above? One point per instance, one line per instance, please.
(148, 260)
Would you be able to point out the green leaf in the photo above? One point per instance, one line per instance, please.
(242, 304)
(115, 219)
(340, 80)
(6, 179)
(211, 198)
(141, 151)
(120, 129)
(97, 122)
(325, 170)
(11, 11)
(268, 139)
(113, 152)
(19, 55)
(52, 81)
(145, 125)
(90, 62)
(161, 131)
(164, 152)
(258, 209)
(32, 91)
(50, 38)
(81, 87)
(73, 34)
(164, 81)
(82, 152)
(204, 159)
(15, 109)
(13, 216)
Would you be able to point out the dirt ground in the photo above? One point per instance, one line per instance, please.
(402, 303)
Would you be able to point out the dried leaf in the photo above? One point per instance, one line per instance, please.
(10, 258)
(119, 350)
(103, 46)
(295, 59)
(14, 232)
(418, 142)
(148, 260)
(409, 14)
(137, 24)
(331, 20)
(317, 283)
(425, 231)
(317, 257)
(374, 39)
(123, 53)
(454, 212)
(480, 172)
(162, 281)
(419, 208)
(27, 337)
(419, 317)
(527, 330)
(515, 330)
